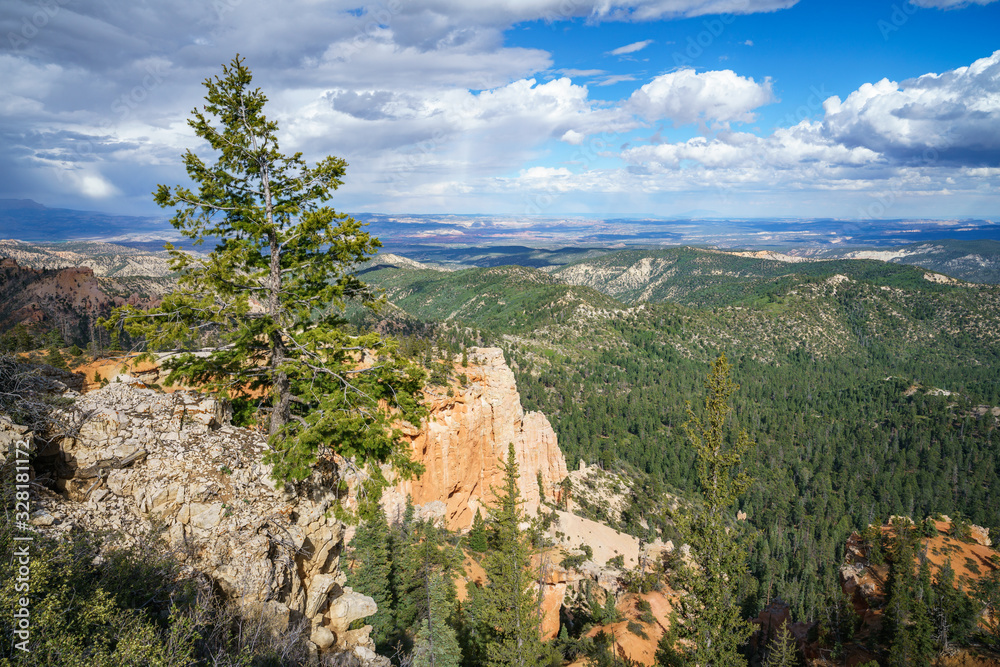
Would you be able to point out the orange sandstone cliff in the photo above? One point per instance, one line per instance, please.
(464, 439)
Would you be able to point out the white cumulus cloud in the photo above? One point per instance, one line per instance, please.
(685, 96)
(953, 117)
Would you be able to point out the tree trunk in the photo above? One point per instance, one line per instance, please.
(282, 396)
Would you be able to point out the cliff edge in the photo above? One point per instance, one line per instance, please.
(465, 438)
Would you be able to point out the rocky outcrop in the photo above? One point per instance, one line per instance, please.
(965, 549)
(138, 457)
(67, 299)
(464, 440)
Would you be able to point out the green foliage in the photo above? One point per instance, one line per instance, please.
(849, 424)
(782, 651)
(693, 277)
(53, 357)
(268, 297)
(988, 592)
(507, 608)
(17, 339)
(478, 537)
(420, 552)
(954, 614)
(370, 569)
(436, 644)
(711, 616)
(907, 627)
(636, 629)
(572, 561)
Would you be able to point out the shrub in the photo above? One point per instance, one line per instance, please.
(636, 629)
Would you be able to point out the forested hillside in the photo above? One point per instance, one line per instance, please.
(869, 389)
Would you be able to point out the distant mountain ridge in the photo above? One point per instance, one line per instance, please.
(701, 277)
(976, 261)
(27, 220)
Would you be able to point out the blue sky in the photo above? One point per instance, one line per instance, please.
(624, 108)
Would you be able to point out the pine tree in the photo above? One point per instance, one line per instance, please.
(436, 643)
(269, 296)
(988, 592)
(709, 618)
(418, 554)
(477, 540)
(506, 608)
(954, 612)
(782, 651)
(906, 624)
(53, 357)
(371, 566)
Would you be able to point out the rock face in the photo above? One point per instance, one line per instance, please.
(66, 299)
(466, 437)
(138, 456)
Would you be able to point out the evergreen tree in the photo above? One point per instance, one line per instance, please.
(988, 592)
(478, 537)
(436, 644)
(710, 620)
(507, 607)
(269, 296)
(371, 566)
(419, 553)
(954, 613)
(53, 357)
(782, 651)
(906, 624)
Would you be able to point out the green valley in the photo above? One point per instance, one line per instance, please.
(870, 389)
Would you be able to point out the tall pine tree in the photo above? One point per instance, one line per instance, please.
(506, 608)
(436, 644)
(709, 619)
(269, 295)
(907, 626)
(371, 566)
(782, 651)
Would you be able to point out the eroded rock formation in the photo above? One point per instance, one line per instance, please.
(136, 457)
(465, 439)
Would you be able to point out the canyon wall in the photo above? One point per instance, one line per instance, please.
(464, 440)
